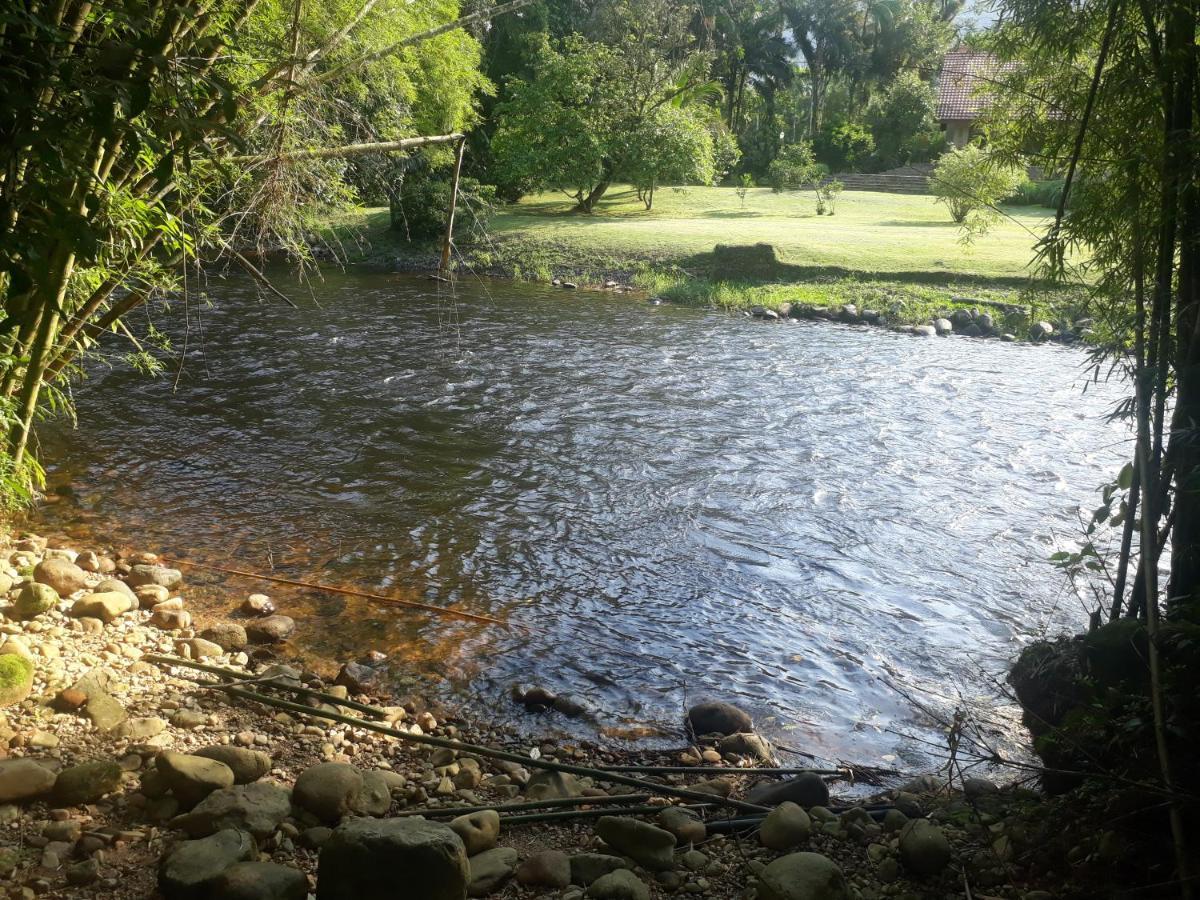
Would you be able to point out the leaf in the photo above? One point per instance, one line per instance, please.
(1125, 478)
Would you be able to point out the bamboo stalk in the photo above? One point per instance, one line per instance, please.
(350, 592)
(721, 770)
(349, 149)
(441, 811)
(506, 821)
(462, 747)
(458, 161)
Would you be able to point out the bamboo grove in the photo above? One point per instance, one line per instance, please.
(138, 136)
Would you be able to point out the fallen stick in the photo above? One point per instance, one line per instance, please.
(431, 740)
(435, 812)
(349, 592)
(721, 770)
(583, 814)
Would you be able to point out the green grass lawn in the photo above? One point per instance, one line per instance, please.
(871, 233)
(897, 253)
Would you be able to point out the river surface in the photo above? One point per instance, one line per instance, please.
(839, 528)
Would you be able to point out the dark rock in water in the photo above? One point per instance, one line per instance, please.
(1117, 653)
(189, 871)
(718, 718)
(261, 881)
(961, 318)
(805, 790)
(1048, 681)
(392, 859)
(226, 635)
(570, 706)
(271, 630)
(160, 575)
(849, 314)
(971, 330)
(569, 285)
(361, 678)
(803, 876)
(985, 323)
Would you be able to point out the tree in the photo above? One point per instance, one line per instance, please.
(902, 122)
(970, 182)
(794, 168)
(826, 33)
(135, 137)
(589, 115)
(671, 145)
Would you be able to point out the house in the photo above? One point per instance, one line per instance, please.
(962, 90)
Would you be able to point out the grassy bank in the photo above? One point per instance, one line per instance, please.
(897, 253)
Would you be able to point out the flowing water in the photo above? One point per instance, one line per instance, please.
(835, 527)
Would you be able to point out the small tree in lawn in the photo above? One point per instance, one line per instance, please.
(744, 186)
(672, 146)
(794, 168)
(971, 182)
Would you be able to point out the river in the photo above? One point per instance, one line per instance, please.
(837, 527)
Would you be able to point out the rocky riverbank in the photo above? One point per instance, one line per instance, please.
(122, 776)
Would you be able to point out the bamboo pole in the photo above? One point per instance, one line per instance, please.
(434, 812)
(349, 149)
(721, 770)
(458, 161)
(461, 746)
(349, 592)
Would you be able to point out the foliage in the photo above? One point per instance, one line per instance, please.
(744, 184)
(902, 123)
(971, 182)
(419, 204)
(136, 137)
(827, 196)
(593, 113)
(794, 168)
(725, 150)
(1038, 193)
(669, 146)
(844, 147)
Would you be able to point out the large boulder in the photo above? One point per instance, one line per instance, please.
(685, 824)
(718, 718)
(1049, 682)
(924, 849)
(63, 575)
(107, 607)
(34, 599)
(108, 585)
(190, 870)
(226, 635)
(649, 846)
(87, 782)
(261, 881)
(548, 868)
(803, 876)
(192, 778)
(786, 827)
(247, 765)
(806, 790)
(23, 779)
(587, 867)
(392, 859)
(16, 679)
(257, 808)
(329, 791)
(548, 785)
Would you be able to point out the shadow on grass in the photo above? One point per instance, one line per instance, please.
(731, 214)
(757, 263)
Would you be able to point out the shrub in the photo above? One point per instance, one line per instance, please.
(418, 206)
(970, 182)
(844, 147)
(827, 197)
(793, 168)
(1037, 193)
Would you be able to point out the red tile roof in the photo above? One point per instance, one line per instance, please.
(966, 75)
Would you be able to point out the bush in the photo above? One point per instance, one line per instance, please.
(418, 207)
(1037, 193)
(827, 197)
(793, 168)
(844, 147)
(971, 183)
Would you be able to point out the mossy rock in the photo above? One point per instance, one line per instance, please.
(1118, 653)
(1049, 683)
(34, 599)
(16, 679)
